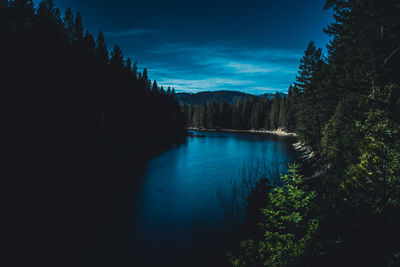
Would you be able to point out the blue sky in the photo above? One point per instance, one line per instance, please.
(252, 46)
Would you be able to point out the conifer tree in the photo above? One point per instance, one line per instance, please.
(78, 27)
(309, 84)
(274, 113)
(47, 13)
(282, 122)
(128, 64)
(200, 115)
(154, 88)
(69, 24)
(147, 83)
(101, 52)
(117, 58)
(5, 17)
(291, 110)
(22, 15)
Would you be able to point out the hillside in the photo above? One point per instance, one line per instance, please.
(207, 97)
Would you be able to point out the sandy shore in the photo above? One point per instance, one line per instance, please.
(279, 132)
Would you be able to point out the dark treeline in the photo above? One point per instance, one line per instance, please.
(74, 114)
(214, 96)
(254, 113)
(61, 79)
(348, 112)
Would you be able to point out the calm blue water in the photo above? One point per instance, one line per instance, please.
(179, 182)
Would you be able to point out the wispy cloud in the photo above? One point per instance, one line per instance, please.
(130, 33)
(207, 84)
(223, 66)
(250, 68)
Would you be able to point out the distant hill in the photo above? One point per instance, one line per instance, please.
(228, 96)
(271, 95)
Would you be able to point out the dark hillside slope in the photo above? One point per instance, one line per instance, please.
(208, 97)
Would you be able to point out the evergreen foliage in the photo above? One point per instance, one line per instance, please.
(254, 113)
(74, 114)
(346, 109)
(76, 123)
(81, 79)
(288, 225)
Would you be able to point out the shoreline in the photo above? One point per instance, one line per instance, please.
(305, 152)
(278, 132)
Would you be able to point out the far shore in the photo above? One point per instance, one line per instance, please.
(278, 132)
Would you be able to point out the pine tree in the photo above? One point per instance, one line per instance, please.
(257, 115)
(282, 122)
(372, 27)
(291, 110)
(23, 14)
(128, 64)
(147, 83)
(69, 24)
(245, 114)
(90, 45)
(309, 84)
(274, 113)
(78, 27)
(135, 70)
(154, 88)
(200, 115)
(101, 52)
(5, 17)
(190, 116)
(47, 13)
(117, 58)
(237, 115)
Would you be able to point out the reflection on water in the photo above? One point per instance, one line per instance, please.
(179, 182)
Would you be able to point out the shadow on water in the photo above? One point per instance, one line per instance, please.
(180, 219)
(66, 207)
(69, 204)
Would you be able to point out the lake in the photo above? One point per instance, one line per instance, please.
(178, 183)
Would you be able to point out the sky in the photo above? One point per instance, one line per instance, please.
(252, 46)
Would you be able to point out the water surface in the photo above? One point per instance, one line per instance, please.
(178, 183)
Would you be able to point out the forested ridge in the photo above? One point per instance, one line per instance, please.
(63, 74)
(347, 111)
(255, 112)
(215, 96)
(78, 122)
(206, 97)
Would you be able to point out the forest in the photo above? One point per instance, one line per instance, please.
(254, 113)
(347, 107)
(79, 120)
(206, 97)
(215, 96)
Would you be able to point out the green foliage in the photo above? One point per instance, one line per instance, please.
(200, 116)
(253, 113)
(289, 224)
(283, 109)
(372, 184)
(229, 97)
(274, 113)
(347, 110)
(309, 84)
(341, 137)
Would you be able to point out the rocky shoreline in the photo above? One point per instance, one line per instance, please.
(278, 132)
(305, 152)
